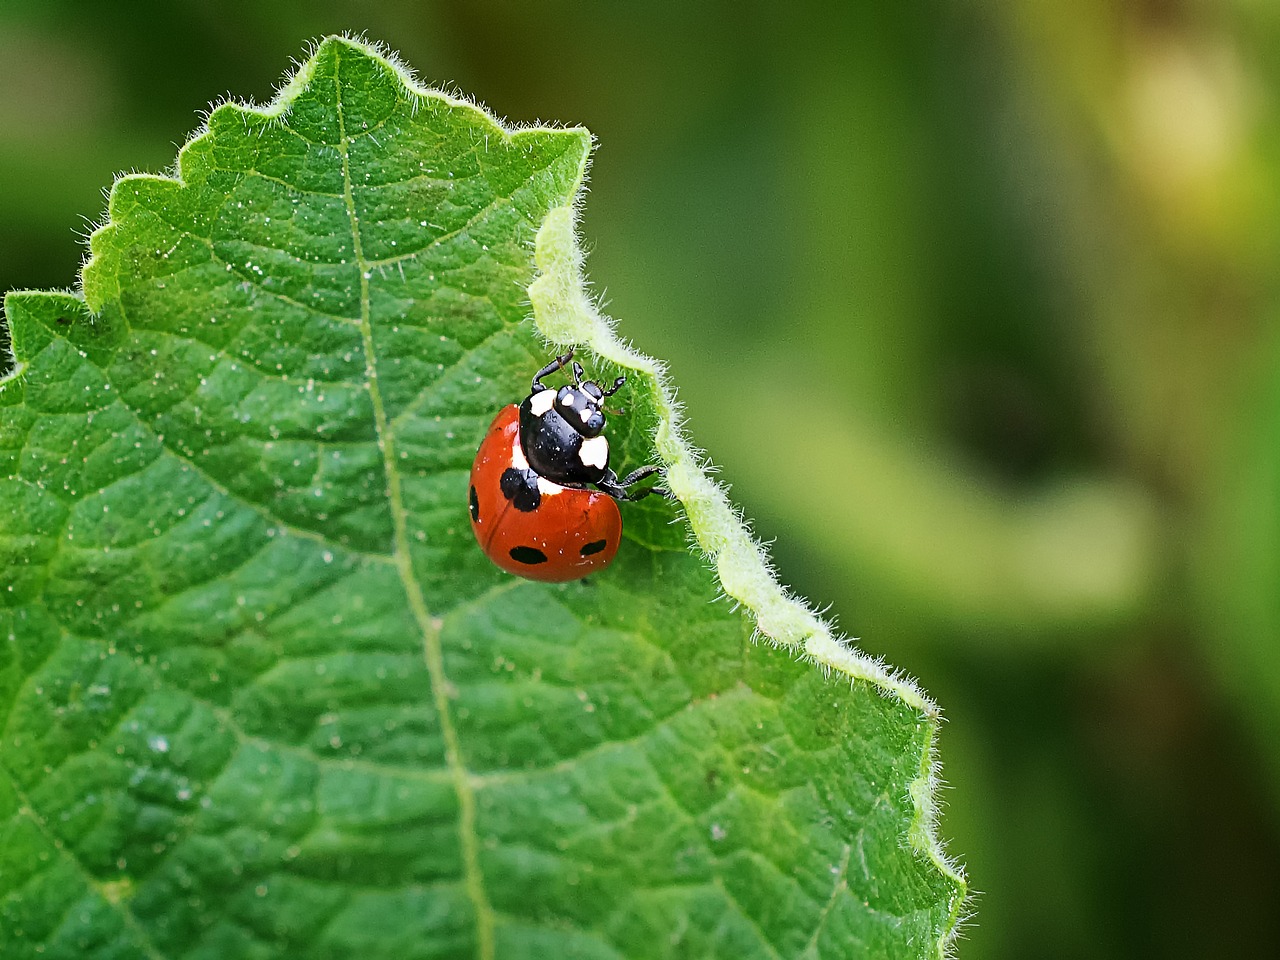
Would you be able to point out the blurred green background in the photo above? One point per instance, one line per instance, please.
(975, 305)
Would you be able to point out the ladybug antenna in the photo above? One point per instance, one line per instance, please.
(578, 374)
(617, 385)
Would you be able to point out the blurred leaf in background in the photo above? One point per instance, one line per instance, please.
(1018, 262)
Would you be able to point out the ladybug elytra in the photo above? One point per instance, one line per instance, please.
(532, 507)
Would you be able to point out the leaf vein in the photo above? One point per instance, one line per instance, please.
(432, 652)
(126, 915)
(841, 884)
(473, 220)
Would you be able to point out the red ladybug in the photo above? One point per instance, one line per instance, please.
(532, 509)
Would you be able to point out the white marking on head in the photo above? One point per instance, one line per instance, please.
(585, 414)
(594, 452)
(541, 402)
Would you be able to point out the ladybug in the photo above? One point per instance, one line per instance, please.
(533, 511)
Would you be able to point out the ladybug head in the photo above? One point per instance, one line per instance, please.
(581, 402)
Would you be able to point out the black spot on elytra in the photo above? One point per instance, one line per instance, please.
(475, 505)
(595, 546)
(529, 555)
(521, 488)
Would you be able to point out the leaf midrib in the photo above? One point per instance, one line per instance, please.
(428, 625)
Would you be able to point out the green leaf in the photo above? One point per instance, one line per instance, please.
(263, 696)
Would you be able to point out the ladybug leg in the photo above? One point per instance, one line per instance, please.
(618, 489)
(640, 474)
(557, 364)
(642, 493)
(636, 475)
